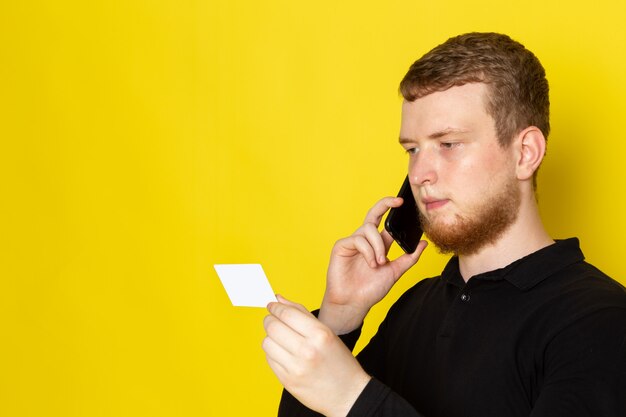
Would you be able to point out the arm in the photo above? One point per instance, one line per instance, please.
(348, 392)
(586, 368)
(305, 353)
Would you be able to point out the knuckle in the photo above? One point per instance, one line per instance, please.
(286, 314)
(309, 354)
(383, 203)
(341, 243)
(265, 343)
(323, 337)
(359, 231)
(359, 240)
(278, 310)
(297, 372)
(270, 323)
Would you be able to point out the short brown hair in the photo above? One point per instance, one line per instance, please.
(516, 80)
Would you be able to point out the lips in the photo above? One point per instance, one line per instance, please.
(434, 203)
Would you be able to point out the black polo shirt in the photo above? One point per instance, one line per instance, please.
(542, 337)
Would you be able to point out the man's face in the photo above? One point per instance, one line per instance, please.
(463, 181)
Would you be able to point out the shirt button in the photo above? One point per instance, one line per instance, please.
(465, 297)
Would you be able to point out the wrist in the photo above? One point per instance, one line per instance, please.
(351, 395)
(341, 319)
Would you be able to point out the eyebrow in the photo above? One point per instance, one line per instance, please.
(436, 135)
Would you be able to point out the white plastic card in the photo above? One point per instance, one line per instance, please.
(245, 284)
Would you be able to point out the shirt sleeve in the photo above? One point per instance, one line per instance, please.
(376, 400)
(585, 368)
(291, 407)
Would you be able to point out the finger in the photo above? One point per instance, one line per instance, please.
(276, 357)
(377, 212)
(421, 247)
(283, 300)
(406, 261)
(355, 244)
(283, 335)
(366, 250)
(279, 370)
(296, 318)
(387, 240)
(373, 236)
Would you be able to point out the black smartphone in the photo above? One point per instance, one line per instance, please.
(403, 223)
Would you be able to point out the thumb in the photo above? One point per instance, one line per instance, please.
(285, 301)
(406, 261)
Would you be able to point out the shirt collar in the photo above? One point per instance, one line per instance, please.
(528, 271)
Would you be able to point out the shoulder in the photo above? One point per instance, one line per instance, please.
(588, 287)
(580, 299)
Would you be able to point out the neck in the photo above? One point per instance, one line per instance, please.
(524, 236)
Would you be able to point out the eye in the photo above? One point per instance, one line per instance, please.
(449, 145)
(412, 151)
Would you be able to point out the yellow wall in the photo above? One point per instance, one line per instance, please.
(143, 141)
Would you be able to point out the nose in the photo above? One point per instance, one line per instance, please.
(422, 169)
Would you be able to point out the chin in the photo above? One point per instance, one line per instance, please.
(486, 224)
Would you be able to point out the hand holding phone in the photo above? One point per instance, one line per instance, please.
(403, 223)
(359, 273)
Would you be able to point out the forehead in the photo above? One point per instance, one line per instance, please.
(458, 108)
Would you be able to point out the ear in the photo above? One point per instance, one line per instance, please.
(531, 145)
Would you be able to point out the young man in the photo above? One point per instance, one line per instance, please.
(516, 325)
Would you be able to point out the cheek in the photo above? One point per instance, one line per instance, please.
(474, 179)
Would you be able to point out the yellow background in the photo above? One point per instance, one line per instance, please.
(144, 141)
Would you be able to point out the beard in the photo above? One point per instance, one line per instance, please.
(486, 224)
